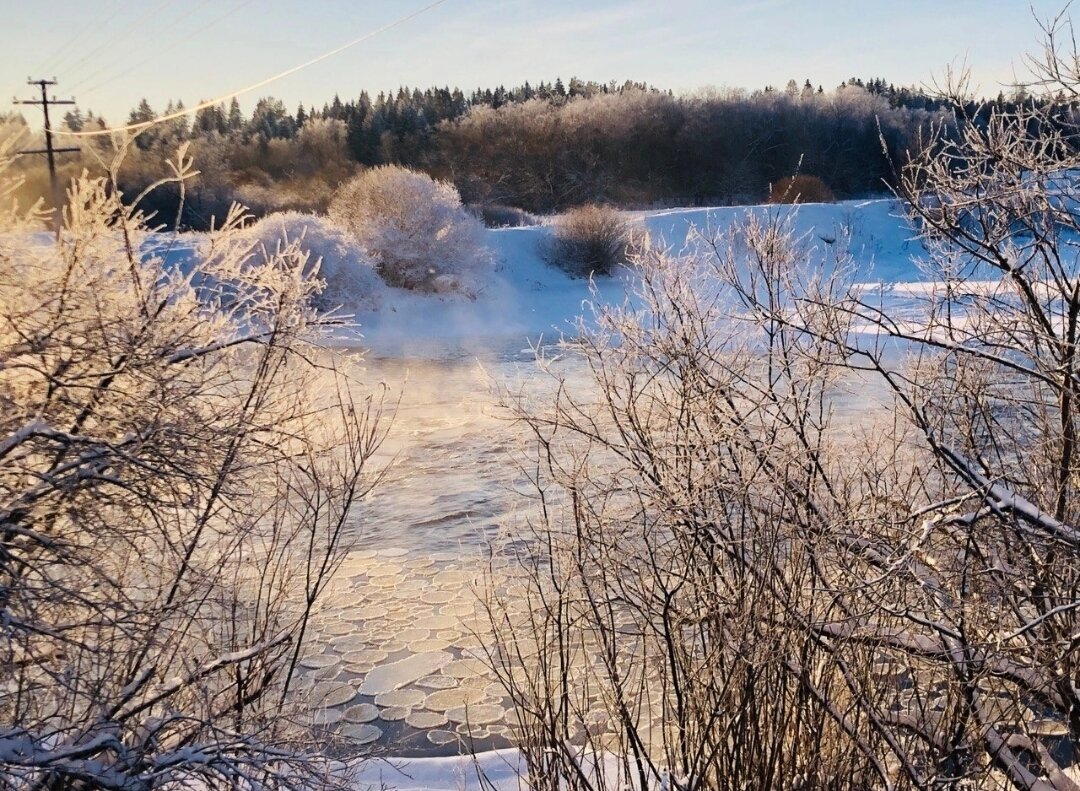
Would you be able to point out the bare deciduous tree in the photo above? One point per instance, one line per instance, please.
(177, 459)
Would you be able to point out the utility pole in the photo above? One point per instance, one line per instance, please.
(50, 150)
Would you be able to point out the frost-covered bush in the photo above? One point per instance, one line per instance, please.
(734, 587)
(416, 229)
(352, 282)
(178, 457)
(591, 240)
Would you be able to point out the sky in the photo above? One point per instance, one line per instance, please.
(108, 54)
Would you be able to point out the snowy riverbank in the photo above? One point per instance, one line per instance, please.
(525, 299)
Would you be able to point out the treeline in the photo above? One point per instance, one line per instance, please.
(541, 148)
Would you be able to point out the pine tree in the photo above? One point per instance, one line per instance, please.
(235, 121)
(271, 120)
(143, 114)
(178, 127)
(74, 120)
(362, 140)
(204, 120)
(209, 120)
(337, 109)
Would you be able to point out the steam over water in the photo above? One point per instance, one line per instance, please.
(451, 451)
(395, 659)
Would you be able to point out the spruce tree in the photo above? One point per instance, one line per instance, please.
(235, 121)
(143, 114)
(74, 120)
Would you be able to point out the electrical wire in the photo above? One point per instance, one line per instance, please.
(147, 39)
(138, 127)
(108, 42)
(66, 50)
(164, 50)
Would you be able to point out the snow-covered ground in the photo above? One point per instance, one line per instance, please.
(524, 299)
(497, 770)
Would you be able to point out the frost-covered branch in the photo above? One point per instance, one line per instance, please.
(171, 436)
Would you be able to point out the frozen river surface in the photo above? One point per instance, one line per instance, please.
(396, 655)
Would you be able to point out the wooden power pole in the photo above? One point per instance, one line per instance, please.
(50, 150)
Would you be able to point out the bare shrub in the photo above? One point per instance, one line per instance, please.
(178, 456)
(591, 239)
(801, 188)
(718, 566)
(414, 226)
(496, 215)
(672, 585)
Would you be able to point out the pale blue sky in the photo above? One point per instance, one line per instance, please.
(122, 50)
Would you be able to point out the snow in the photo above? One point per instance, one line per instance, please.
(882, 242)
(525, 300)
(498, 770)
(528, 299)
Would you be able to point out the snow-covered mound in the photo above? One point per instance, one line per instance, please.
(352, 283)
(526, 299)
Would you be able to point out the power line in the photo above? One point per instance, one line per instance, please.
(147, 39)
(50, 151)
(120, 34)
(164, 50)
(138, 127)
(65, 50)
